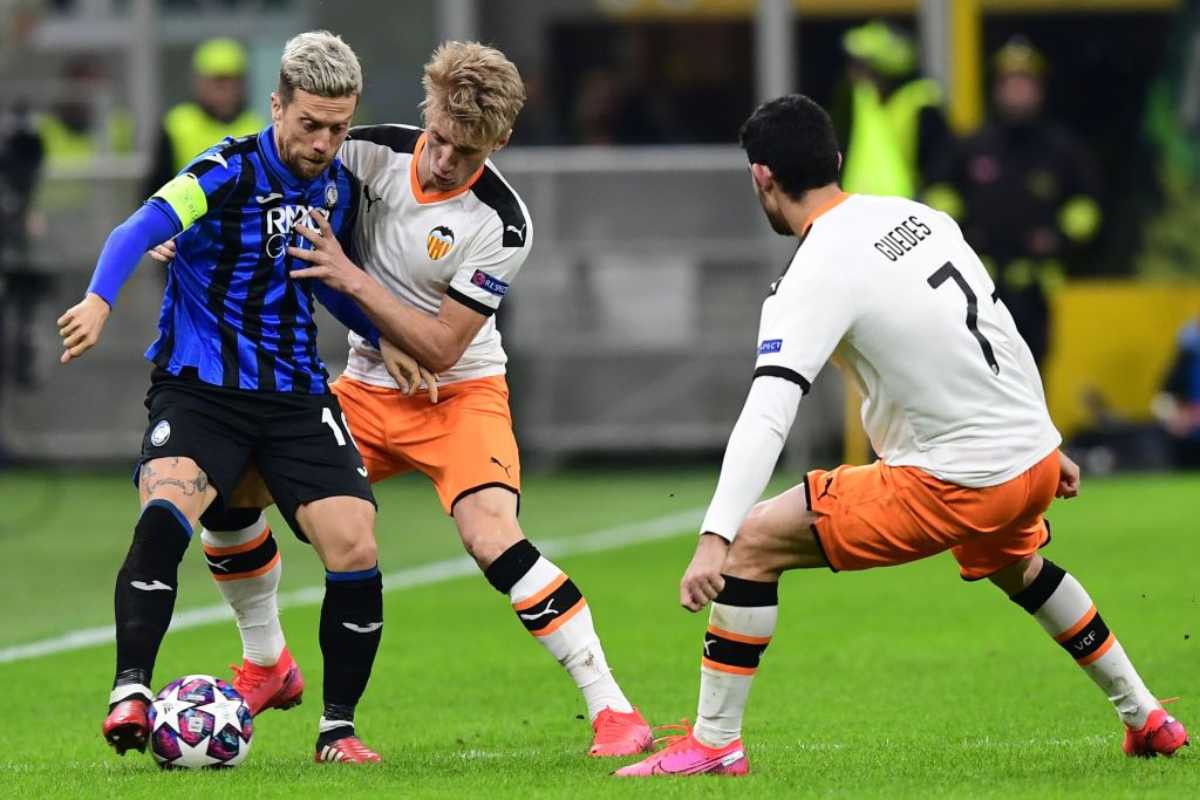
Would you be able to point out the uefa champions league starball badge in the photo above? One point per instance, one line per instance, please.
(331, 195)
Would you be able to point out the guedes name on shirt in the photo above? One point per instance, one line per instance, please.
(903, 238)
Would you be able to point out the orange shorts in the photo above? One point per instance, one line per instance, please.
(464, 443)
(876, 516)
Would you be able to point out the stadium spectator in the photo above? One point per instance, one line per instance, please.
(890, 120)
(21, 287)
(1024, 189)
(79, 127)
(217, 109)
(1178, 405)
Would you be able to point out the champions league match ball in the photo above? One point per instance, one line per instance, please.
(199, 721)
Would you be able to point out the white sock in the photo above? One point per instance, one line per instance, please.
(736, 637)
(551, 607)
(1065, 611)
(246, 566)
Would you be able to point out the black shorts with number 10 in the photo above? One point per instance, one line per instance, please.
(299, 442)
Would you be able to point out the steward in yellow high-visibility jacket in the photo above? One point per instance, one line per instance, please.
(217, 110)
(891, 122)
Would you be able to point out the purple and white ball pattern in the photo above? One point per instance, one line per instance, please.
(199, 721)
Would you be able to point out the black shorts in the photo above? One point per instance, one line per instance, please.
(299, 442)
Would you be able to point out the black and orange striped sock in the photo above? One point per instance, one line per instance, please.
(244, 561)
(555, 612)
(740, 627)
(1064, 609)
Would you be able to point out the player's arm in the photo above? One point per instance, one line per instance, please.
(750, 457)
(173, 209)
(347, 312)
(436, 341)
(800, 327)
(404, 369)
(80, 325)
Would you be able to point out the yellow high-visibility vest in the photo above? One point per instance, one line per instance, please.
(191, 130)
(65, 145)
(881, 155)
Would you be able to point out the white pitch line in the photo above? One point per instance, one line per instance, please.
(435, 572)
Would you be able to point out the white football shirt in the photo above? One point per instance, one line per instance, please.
(467, 244)
(891, 292)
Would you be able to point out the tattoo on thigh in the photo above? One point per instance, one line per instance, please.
(151, 481)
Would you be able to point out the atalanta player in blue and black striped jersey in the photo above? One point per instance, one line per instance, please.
(238, 381)
(230, 311)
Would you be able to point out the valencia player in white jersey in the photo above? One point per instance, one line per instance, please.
(441, 237)
(968, 456)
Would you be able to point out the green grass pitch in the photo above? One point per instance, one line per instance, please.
(897, 683)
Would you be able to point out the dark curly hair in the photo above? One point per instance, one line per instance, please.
(795, 138)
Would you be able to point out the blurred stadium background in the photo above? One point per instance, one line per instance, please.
(631, 325)
(631, 331)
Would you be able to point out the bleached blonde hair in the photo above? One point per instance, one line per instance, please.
(477, 88)
(320, 63)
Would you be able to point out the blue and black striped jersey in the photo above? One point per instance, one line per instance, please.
(230, 309)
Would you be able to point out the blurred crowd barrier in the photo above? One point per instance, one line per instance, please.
(631, 329)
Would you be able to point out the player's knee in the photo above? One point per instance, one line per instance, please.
(1018, 575)
(191, 506)
(362, 551)
(485, 545)
(487, 524)
(364, 554)
(486, 536)
(354, 554)
(183, 484)
(753, 535)
(755, 520)
(343, 531)
(749, 556)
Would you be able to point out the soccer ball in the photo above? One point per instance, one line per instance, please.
(199, 721)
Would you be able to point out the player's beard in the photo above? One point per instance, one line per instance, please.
(302, 166)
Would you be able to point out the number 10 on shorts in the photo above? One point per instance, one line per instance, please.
(327, 419)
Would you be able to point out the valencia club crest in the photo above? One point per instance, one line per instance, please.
(439, 242)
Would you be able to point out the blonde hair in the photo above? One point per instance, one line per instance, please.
(320, 63)
(476, 87)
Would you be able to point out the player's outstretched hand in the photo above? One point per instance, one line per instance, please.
(329, 262)
(80, 326)
(406, 372)
(1068, 479)
(163, 253)
(702, 581)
